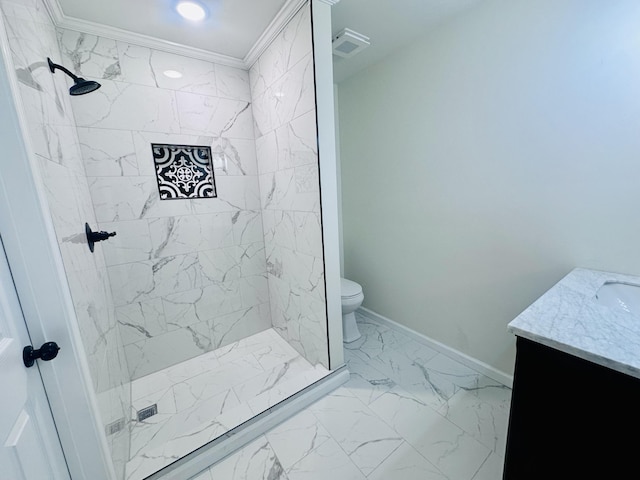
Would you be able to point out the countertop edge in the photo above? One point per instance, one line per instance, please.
(567, 318)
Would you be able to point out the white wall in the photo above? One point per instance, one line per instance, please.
(483, 162)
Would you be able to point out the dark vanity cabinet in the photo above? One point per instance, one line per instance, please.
(571, 419)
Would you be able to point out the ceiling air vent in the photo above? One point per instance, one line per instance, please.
(348, 43)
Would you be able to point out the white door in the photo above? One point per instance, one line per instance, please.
(29, 445)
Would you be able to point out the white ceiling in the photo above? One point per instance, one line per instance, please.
(234, 26)
(390, 24)
(231, 29)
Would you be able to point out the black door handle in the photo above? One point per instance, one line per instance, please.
(47, 351)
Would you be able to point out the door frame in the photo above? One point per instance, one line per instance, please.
(36, 264)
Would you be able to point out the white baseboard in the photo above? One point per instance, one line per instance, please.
(213, 452)
(470, 362)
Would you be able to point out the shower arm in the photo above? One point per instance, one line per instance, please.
(54, 66)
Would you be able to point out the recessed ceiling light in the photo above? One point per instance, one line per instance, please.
(191, 11)
(172, 74)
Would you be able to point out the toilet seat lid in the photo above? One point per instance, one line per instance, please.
(349, 288)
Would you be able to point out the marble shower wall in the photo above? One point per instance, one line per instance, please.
(283, 92)
(187, 276)
(52, 131)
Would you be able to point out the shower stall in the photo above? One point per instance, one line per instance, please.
(206, 296)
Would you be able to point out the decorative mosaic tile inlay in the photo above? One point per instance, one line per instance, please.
(183, 171)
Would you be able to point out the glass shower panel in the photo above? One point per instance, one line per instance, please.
(283, 92)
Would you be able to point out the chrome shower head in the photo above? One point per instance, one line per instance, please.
(80, 85)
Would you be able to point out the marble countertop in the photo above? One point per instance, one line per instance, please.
(568, 318)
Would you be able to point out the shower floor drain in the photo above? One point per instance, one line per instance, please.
(116, 426)
(147, 412)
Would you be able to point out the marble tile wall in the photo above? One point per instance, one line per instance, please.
(51, 127)
(187, 276)
(283, 92)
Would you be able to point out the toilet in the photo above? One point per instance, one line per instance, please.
(352, 298)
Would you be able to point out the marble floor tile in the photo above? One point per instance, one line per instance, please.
(366, 382)
(185, 440)
(272, 378)
(283, 390)
(168, 377)
(204, 386)
(491, 469)
(140, 466)
(297, 437)
(483, 413)
(407, 464)
(142, 433)
(413, 374)
(446, 371)
(274, 355)
(328, 461)
(164, 399)
(185, 432)
(453, 451)
(375, 340)
(407, 413)
(256, 461)
(362, 434)
(248, 345)
(205, 397)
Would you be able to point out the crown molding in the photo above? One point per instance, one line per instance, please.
(54, 9)
(286, 13)
(329, 2)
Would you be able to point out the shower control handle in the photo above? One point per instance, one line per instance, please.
(100, 236)
(93, 237)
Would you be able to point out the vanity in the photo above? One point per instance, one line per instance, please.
(575, 407)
